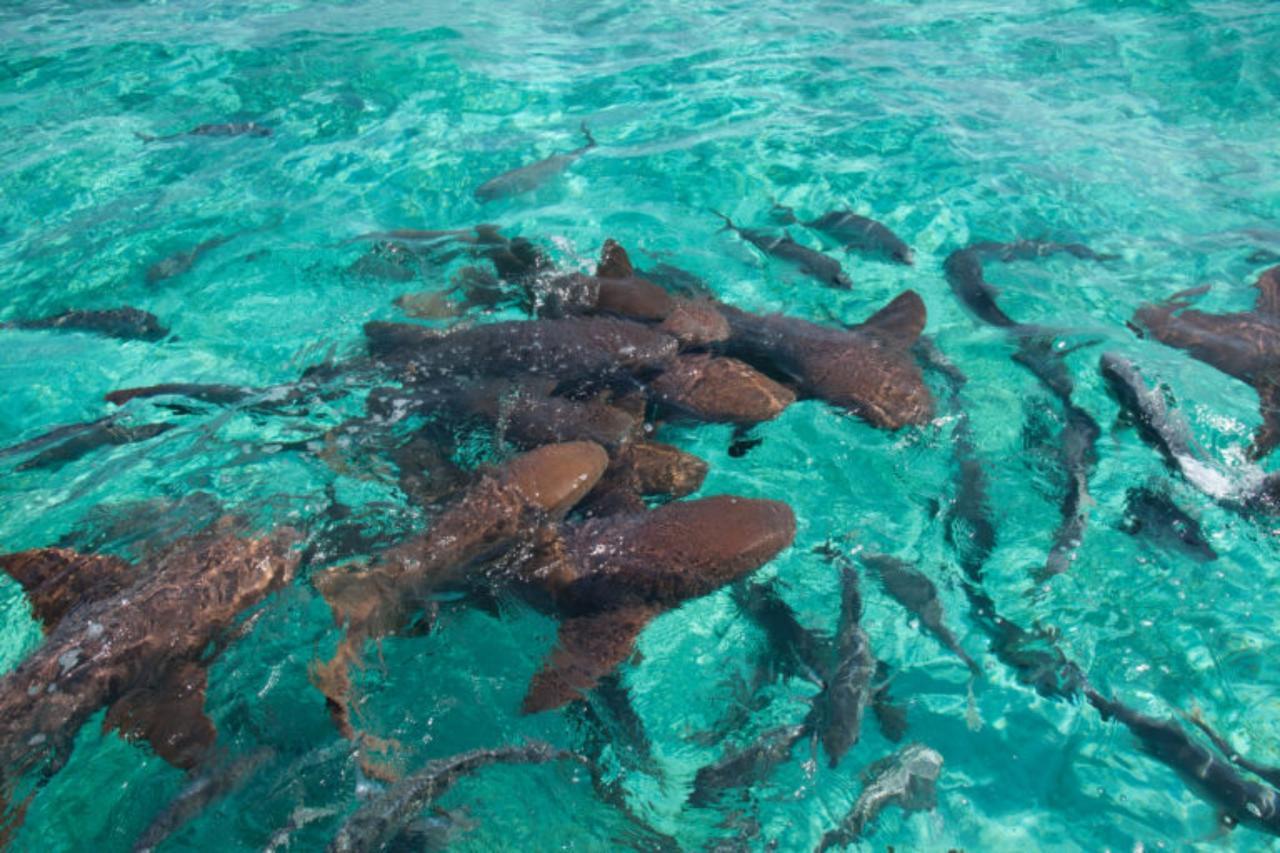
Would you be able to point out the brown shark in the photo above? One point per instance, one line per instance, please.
(609, 577)
(1245, 345)
(132, 640)
(719, 388)
(644, 469)
(492, 514)
(124, 323)
(868, 369)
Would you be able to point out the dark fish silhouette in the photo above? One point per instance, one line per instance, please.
(1155, 516)
(205, 787)
(106, 433)
(868, 369)
(1244, 345)
(1077, 456)
(248, 128)
(812, 263)
(1148, 411)
(137, 644)
(130, 324)
(1214, 780)
(222, 395)
(179, 262)
(527, 178)
(918, 595)
(744, 767)
(908, 779)
(386, 815)
(798, 650)
(838, 710)
(478, 235)
(854, 232)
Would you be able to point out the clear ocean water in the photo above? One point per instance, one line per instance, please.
(1144, 129)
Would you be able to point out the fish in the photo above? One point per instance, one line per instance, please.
(868, 369)
(128, 324)
(179, 262)
(798, 650)
(383, 817)
(480, 235)
(106, 433)
(838, 710)
(908, 779)
(1154, 515)
(533, 175)
(609, 577)
(205, 787)
(854, 232)
(744, 767)
(1077, 455)
(564, 349)
(719, 389)
(918, 595)
(1239, 800)
(247, 128)
(811, 262)
(137, 643)
(1243, 345)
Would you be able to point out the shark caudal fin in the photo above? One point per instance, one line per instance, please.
(588, 648)
(728, 223)
(782, 214)
(614, 261)
(900, 322)
(57, 579)
(591, 140)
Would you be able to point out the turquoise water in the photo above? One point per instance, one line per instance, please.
(1145, 129)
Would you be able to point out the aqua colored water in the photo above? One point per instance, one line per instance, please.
(1146, 129)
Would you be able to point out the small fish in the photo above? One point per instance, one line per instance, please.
(129, 324)
(838, 709)
(917, 594)
(204, 788)
(385, 816)
(854, 232)
(907, 778)
(179, 262)
(1154, 515)
(745, 767)
(811, 262)
(527, 178)
(799, 650)
(228, 129)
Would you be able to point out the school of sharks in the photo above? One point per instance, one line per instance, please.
(581, 513)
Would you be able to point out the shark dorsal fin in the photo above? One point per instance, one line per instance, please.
(614, 262)
(57, 579)
(1268, 285)
(900, 322)
(168, 714)
(588, 648)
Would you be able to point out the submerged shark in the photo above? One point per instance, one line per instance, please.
(908, 778)
(1244, 345)
(854, 232)
(133, 640)
(529, 177)
(129, 324)
(811, 262)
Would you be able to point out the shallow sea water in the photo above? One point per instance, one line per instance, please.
(1145, 129)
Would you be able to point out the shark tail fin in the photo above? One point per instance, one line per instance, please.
(728, 223)
(591, 140)
(782, 214)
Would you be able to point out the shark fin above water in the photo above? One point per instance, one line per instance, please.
(169, 715)
(899, 323)
(614, 262)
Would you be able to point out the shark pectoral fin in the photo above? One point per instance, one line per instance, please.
(57, 579)
(169, 715)
(1268, 285)
(363, 600)
(900, 322)
(1267, 435)
(614, 262)
(589, 647)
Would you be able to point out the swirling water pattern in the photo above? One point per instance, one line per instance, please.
(1145, 129)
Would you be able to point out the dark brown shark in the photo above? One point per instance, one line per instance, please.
(868, 369)
(720, 389)
(129, 324)
(1244, 345)
(135, 643)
